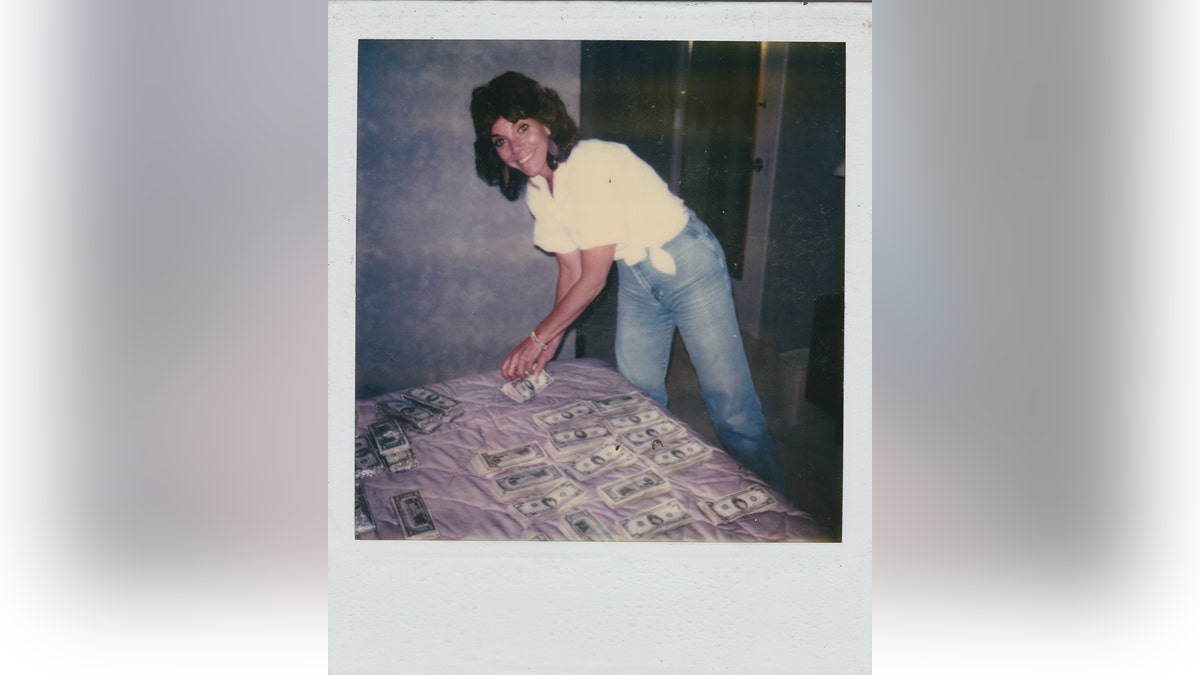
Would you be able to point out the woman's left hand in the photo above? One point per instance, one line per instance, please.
(528, 359)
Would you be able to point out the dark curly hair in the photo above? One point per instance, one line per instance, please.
(514, 96)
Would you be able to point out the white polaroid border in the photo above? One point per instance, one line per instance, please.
(400, 606)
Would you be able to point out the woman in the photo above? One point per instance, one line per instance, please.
(594, 202)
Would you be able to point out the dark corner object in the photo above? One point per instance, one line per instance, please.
(825, 357)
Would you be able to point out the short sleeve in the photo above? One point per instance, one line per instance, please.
(550, 236)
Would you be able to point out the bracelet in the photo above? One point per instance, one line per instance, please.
(536, 341)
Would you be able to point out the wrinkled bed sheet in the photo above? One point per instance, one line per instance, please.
(463, 507)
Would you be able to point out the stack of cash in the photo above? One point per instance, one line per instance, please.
(648, 483)
(413, 416)
(601, 461)
(492, 463)
(393, 446)
(569, 440)
(566, 414)
(679, 455)
(415, 519)
(539, 537)
(643, 439)
(611, 404)
(582, 525)
(652, 522)
(366, 462)
(523, 389)
(731, 507)
(555, 500)
(364, 523)
(624, 422)
(520, 483)
(446, 407)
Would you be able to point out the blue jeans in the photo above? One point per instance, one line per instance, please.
(698, 299)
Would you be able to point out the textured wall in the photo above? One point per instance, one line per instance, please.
(448, 280)
(807, 253)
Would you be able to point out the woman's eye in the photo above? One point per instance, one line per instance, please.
(521, 129)
(499, 142)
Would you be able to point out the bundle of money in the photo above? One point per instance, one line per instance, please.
(554, 500)
(393, 446)
(582, 525)
(523, 389)
(629, 420)
(565, 414)
(448, 408)
(611, 404)
(492, 463)
(413, 416)
(366, 462)
(653, 522)
(648, 483)
(643, 439)
(539, 537)
(601, 461)
(520, 483)
(570, 440)
(415, 519)
(742, 503)
(364, 522)
(680, 455)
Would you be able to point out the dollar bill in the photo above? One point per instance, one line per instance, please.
(415, 519)
(448, 407)
(610, 404)
(648, 483)
(742, 503)
(491, 463)
(393, 445)
(679, 456)
(522, 482)
(366, 462)
(570, 440)
(567, 413)
(523, 389)
(601, 461)
(654, 521)
(550, 502)
(410, 415)
(584, 526)
(643, 439)
(539, 537)
(631, 420)
(364, 522)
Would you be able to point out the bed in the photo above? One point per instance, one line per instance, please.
(589, 458)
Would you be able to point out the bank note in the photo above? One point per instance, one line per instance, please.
(583, 525)
(654, 521)
(393, 446)
(570, 440)
(492, 463)
(565, 414)
(742, 503)
(449, 408)
(610, 404)
(631, 420)
(364, 522)
(550, 502)
(600, 461)
(680, 455)
(366, 462)
(510, 486)
(410, 415)
(643, 439)
(415, 520)
(523, 389)
(648, 483)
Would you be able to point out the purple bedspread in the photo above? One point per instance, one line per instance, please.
(463, 504)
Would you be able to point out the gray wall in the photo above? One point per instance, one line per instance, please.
(448, 280)
(806, 250)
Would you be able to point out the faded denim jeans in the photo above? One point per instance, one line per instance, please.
(698, 299)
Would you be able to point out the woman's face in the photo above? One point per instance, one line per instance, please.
(523, 145)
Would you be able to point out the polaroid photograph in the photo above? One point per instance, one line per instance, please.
(623, 249)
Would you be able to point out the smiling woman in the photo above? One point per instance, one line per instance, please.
(595, 202)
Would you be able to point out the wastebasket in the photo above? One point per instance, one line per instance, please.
(793, 373)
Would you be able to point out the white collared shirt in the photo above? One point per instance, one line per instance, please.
(605, 194)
